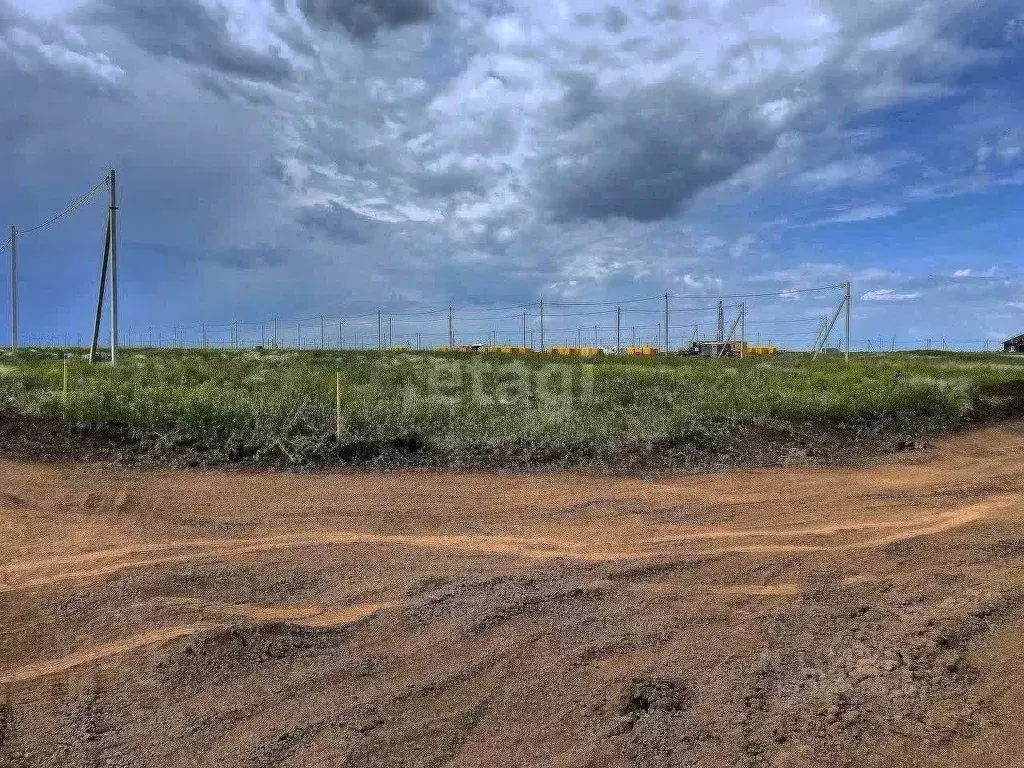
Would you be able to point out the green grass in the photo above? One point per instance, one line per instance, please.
(278, 407)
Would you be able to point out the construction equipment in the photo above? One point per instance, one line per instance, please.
(577, 351)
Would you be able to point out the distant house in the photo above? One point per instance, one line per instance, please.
(1016, 344)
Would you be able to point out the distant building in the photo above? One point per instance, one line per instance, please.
(1016, 344)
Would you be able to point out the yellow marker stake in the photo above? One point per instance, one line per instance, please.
(337, 405)
(65, 410)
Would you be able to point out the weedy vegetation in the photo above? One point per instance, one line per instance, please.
(277, 408)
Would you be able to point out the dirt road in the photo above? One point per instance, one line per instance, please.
(867, 616)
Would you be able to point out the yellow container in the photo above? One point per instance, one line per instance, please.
(644, 351)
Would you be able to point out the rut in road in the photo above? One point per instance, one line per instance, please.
(307, 616)
(12, 578)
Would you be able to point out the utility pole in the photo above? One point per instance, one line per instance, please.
(666, 323)
(451, 330)
(597, 340)
(380, 332)
(113, 267)
(542, 325)
(104, 262)
(618, 330)
(323, 334)
(524, 330)
(391, 333)
(848, 300)
(202, 334)
(579, 338)
(341, 330)
(720, 335)
(14, 290)
(743, 328)
(275, 333)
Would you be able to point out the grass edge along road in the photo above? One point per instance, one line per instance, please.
(279, 408)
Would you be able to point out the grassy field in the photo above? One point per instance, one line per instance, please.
(462, 409)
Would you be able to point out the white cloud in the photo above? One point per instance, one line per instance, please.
(859, 213)
(888, 294)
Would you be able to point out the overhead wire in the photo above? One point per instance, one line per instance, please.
(67, 211)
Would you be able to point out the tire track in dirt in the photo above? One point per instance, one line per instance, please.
(95, 653)
(315, 616)
(533, 548)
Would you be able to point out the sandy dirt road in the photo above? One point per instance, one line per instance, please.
(865, 616)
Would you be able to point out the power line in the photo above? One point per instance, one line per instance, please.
(780, 293)
(67, 211)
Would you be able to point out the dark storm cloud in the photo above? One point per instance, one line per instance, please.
(189, 31)
(581, 98)
(336, 222)
(653, 152)
(614, 19)
(247, 257)
(364, 18)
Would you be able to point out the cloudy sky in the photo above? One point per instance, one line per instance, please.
(292, 158)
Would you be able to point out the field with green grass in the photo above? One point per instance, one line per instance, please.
(278, 408)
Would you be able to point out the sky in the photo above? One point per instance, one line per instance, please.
(297, 158)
